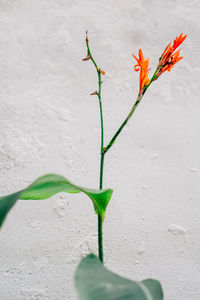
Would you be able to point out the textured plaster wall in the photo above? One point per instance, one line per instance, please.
(50, 123)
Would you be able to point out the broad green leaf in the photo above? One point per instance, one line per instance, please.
(6, 203)
(95, 282)
(49, 185)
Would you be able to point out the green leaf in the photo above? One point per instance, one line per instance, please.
(95, 282)
(49, 185)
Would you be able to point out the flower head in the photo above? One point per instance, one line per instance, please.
(169, 58)
(142, 66)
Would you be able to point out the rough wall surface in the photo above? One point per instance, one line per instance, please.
(50, 124)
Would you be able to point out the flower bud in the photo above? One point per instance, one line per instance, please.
(86, 58)
(94, 93)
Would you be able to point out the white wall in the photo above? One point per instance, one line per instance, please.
(50, 123)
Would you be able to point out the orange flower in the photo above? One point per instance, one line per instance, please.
(168, 58)
(143, 66)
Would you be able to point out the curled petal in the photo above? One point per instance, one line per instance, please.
(142, 66)
(137, 67)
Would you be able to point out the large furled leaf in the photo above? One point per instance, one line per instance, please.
(49, 185)
(95, 282)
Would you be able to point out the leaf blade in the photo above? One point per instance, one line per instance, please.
(94, 281)
(49, 185)
(6, 203)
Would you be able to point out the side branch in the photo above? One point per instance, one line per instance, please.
(112, 141)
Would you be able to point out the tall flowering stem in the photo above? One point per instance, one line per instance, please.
(167, 60)
(98, 93)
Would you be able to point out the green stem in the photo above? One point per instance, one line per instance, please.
(123, 124)
(100, 222)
